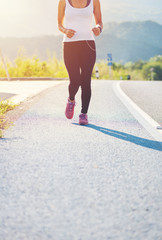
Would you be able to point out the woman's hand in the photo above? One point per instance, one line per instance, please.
(96, 31)
(69, 33)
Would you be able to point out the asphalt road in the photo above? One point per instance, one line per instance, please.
(147, 95)
(62, 181)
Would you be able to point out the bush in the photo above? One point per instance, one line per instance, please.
(5, 106)
(156, 73)
(33, 67)
(157, 58)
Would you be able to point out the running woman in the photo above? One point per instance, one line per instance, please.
(79, 49)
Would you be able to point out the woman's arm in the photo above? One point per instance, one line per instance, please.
(61, 13)
(98, 18)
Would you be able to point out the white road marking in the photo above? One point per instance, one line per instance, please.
(143, 118)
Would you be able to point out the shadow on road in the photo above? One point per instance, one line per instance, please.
(10, 139)
(126, 137)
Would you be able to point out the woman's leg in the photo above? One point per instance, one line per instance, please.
(72, 66)
(87, 61)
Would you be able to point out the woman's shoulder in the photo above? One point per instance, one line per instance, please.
(62, 4)
(62, 1)
(96, 2)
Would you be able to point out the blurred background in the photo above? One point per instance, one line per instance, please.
(29, 39)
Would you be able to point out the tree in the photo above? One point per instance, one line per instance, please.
(157, 58)
(156, 69)
(138, 65)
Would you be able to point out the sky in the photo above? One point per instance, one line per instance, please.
(26, 18)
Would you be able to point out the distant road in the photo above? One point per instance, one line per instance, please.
(63, 181)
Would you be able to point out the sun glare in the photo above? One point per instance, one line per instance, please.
(14, 7)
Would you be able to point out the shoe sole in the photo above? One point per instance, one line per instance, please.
(83, 123)
(68, 116)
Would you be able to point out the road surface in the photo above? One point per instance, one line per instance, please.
(147, 95)
(63, 181)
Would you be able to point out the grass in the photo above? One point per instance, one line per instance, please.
(5, 106)
(25, 66)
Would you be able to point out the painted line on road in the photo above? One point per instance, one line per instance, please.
(142, 117)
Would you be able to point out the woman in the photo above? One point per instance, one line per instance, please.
(79, 49)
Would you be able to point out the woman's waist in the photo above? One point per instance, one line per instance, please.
(80, 29)
(79, 37)
(79, 42)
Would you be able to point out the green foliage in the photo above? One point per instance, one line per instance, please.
(157, 58)
(155, 68)
(103, 70)
(139, 70)
(33, 67)
(134, 66)
(5, 106)
(117, 67)
(3, 124)
(2, 70)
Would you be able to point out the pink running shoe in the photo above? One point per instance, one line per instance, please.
(69, 112)
(83, 119)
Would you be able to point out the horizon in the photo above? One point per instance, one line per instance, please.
(60, 34)
(22, 20)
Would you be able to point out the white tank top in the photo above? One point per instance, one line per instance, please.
(80, 20)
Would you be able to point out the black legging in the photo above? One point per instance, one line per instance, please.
(79, 58)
